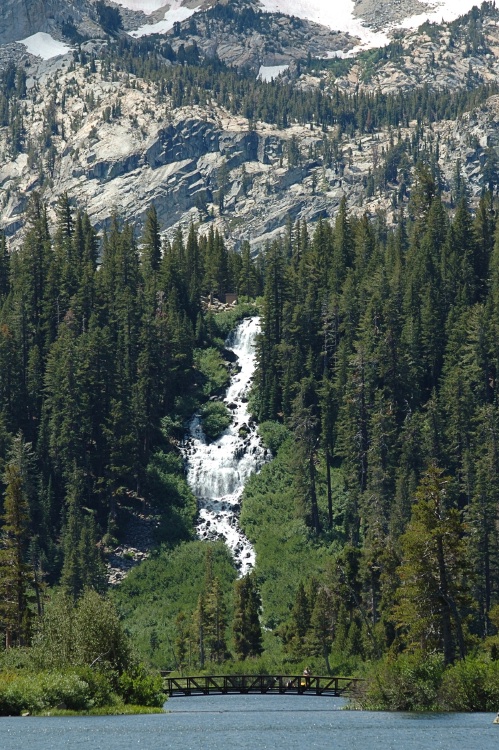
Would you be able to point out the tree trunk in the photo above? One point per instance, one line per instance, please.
(329, 491)
(313, 495)
(448, 645)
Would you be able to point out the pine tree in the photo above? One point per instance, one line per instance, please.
(299, 623)
(432, 592)
(267, 375)
(17, 580)
(216, 623)
(246, 623)
(151, 242)
(4, 267)
(199, 630)
(305, 424)
(320, 637)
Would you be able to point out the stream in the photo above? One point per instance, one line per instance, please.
(218, 471)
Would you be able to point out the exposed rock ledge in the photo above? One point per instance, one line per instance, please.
(379, 13)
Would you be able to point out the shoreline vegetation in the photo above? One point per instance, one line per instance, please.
(124, 710)
(81, 660)
(79, 692)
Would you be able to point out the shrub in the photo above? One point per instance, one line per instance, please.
(100, 686)
(225, 322)
(213, 369)
(273, 435)
(37, 692)
(409, 682)
(141, 688)
(216, 417)
(88, 634)
(471, 685)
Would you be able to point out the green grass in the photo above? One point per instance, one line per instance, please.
(273, 519)
(154, 592)
(121, 710)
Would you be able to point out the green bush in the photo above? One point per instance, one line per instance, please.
(409, 682)
(88, 634)
(225, 322)
(38, 692)
(81, 689)
(471, 685)
(273, 435)
(101, 687)
(212, 369)
(215, 417)
(142, 688)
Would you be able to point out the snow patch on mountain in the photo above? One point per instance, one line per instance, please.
(146, 6)
(336, 14)
(45, 46)
(339, 15)
(267, 73)
(176, 13)
(446, 10)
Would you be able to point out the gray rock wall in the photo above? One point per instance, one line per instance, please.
(22, 18)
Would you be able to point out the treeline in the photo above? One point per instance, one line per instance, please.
(99, 368)
(379, 353)
(210, 80)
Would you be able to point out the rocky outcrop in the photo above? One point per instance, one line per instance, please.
(259, 38)
(381, 13)
(22, 18)
(449, 56)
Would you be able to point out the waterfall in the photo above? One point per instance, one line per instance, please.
(217, 471)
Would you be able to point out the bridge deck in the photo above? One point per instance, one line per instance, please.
(260, 684)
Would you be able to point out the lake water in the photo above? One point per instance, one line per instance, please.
(254, 722)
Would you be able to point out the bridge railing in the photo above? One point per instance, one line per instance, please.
(263, 684)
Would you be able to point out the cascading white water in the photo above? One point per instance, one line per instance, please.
(217, 471)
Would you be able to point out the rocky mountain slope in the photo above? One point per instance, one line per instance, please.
(114, 141)
(22, 18)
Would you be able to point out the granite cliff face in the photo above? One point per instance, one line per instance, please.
(22, 18)
(178, 158)
(119, 143)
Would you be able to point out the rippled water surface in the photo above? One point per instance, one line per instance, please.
(256, 723)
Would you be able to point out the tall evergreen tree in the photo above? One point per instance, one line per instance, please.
(17, 577)
(246, 623)
(432, 592)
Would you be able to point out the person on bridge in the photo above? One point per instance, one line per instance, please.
(306, 674)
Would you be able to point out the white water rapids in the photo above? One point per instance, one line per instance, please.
(217, 471)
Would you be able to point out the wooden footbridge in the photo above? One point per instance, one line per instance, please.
(261, 685)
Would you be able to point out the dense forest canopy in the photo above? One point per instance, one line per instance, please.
(378, 352)
(98, 342)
